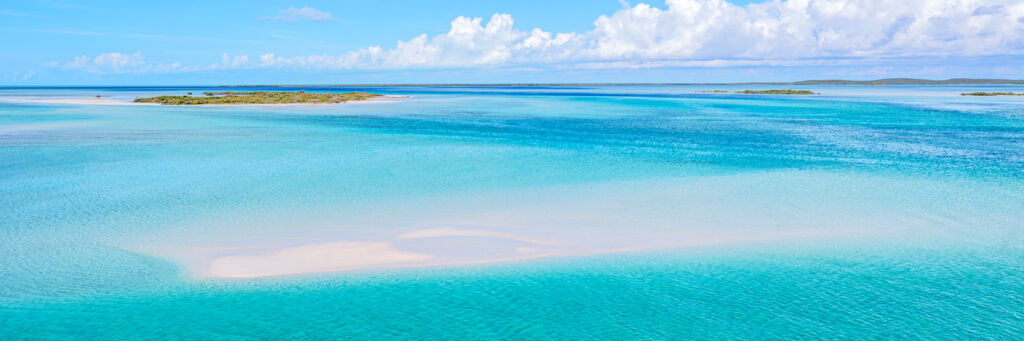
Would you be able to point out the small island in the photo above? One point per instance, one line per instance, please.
(762, 92)
(992, 94)
(259, 97)
(777, 92)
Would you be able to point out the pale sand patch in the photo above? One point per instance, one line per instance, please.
(426, 247)
(567, 221)
(444, 247)
(453, 232)
(313, 258)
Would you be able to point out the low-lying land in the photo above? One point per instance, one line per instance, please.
(777, 92)
(992, 94)
(259, 97)
(762, 92)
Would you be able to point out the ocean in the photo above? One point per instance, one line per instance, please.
(515, 212)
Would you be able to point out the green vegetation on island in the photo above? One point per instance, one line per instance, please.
(991, 94)
(762, 92)
(777, 92)
(913, 81)
(259, 97)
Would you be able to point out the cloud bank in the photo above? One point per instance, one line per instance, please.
(115, 62)
(690, 33)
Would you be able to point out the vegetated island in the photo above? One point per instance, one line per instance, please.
(259, 97)
(913, 81)
(762, 92)
(991, 94)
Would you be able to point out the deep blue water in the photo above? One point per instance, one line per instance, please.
(862, 212)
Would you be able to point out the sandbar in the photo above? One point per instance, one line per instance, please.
(443, 246)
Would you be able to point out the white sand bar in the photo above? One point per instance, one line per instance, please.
(431, 247)
(313, 258)
(423, 247)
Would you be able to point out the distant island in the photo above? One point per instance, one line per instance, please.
(259, 97)
(777, 92)
(992, 94)
(877, 82)
(762, 92)
(915, 81)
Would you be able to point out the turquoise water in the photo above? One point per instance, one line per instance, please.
(864, 212)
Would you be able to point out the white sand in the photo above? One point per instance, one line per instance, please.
(435, 247)
(422, 247)
(313, 258)
(603, 218)
(453, 232)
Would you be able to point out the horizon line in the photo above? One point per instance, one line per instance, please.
(881, 81)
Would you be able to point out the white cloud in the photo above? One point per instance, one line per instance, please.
(228, 62)
(116, 62)
(298, 14)
(990, 10)
(119, 61)
(685, 33)
(18, 76)
(712, 32)
(468, 42)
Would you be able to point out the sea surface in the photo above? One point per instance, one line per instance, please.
(638, 212)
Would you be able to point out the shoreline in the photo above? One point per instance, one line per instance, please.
(107, 101)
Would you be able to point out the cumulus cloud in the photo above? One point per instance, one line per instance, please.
(299, 14)
(711, 32)
(468, 43)
(116, 62)
(228, 62)
(990, 10)
(688, 33)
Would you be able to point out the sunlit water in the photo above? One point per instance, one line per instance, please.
(862, 212)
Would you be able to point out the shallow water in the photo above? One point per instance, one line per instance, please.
(863, 212)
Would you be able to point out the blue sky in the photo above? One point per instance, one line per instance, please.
(444, 41)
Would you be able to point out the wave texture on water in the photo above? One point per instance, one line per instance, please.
(604, 212)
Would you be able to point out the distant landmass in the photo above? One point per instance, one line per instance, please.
(914, 81)
(877, 82)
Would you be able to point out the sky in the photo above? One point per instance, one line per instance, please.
(499, 41)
